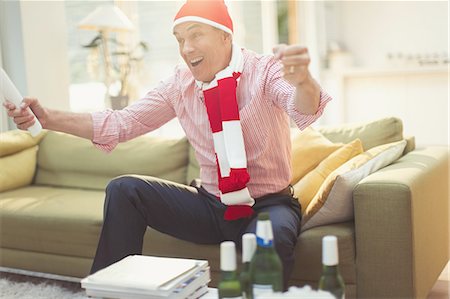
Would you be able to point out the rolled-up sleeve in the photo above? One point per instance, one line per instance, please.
(282, 94)
(111, 127)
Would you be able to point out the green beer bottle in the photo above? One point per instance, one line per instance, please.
(248, 249)
(265, 268)
(229, 286)
(331, 280)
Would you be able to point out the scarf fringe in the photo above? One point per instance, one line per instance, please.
(237, 180)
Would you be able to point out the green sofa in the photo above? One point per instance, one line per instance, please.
(396, 246)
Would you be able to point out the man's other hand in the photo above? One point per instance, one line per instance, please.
(295, 60)
(22, 117)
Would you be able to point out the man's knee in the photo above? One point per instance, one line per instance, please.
(121, 184)
(285, 240)
(119, 192)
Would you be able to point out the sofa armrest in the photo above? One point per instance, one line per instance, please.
(401, 226)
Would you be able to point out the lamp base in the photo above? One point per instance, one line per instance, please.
(119, 102)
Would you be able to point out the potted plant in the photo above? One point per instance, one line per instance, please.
(121, 64)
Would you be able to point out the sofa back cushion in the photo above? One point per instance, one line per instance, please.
(371, 134)
(68, 161)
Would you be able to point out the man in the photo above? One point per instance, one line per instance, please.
(234, 106)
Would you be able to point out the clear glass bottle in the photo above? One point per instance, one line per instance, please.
(331, 280)
(248, 249)
(229, 285)
(265, 268)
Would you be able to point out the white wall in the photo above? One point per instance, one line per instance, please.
(374, 86)
(371, 29)
(45, 52)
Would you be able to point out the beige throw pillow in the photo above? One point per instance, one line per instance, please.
(309, 148)
(17, 170)
(308, 186)
(333, 203)
(15, 141)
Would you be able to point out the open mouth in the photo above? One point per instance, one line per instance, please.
(196, 61)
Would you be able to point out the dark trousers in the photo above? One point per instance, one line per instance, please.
(188, 213)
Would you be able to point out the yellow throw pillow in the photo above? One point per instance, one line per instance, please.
(309, 148)
(17, 170)
(333, 202)
(15, 141)
(307, 187)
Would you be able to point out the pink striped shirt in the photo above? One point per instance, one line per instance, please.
(265, 100)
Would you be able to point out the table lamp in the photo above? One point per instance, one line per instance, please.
(106, 19)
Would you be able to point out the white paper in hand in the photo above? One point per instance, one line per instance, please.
(9, 92)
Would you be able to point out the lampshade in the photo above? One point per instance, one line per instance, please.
(106, 18)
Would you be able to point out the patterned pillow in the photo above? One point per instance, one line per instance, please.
(333, 203)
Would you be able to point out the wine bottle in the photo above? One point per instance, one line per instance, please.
(331, 280)
(229, 286)
(248, 249)
(266, 269)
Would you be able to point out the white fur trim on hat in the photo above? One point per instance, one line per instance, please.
(201, 20)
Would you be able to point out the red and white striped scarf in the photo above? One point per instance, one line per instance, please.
(223, 113)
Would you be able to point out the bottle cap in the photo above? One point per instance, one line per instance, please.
(248, 247)
(264, 232)
(227, 256)
(330, 255)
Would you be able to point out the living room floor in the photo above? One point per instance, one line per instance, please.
(442, 286)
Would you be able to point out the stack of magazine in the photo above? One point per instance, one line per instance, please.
(138, 276)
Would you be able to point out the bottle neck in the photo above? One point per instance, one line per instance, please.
(248, 247)
(229, 275)
(264, 234)
(330, 270)
(245, 266)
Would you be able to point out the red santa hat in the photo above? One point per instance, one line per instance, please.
(210, 12)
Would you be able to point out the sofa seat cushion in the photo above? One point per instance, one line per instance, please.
(51, 220)
(308, 253)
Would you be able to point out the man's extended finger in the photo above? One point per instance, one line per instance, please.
(17, 112)
(23, 119)
(302, 59)
(26, 102)
(278, 50)
(294, 50)
(26, 125)
(8, 105)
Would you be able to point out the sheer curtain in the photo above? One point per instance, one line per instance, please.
(3, 115)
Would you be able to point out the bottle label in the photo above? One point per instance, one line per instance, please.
(259, 289)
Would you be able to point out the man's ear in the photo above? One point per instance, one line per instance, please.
(227, 36)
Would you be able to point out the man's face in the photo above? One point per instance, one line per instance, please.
(205, 49)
